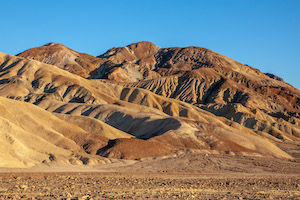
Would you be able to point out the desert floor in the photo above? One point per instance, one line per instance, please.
(148, 186)
(179, 176)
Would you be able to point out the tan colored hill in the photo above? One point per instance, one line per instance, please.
(105, 110)
(29, 136)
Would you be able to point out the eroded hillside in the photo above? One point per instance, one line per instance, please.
(138, 96)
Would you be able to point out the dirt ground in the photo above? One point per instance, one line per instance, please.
(182, 175)
(148, 186)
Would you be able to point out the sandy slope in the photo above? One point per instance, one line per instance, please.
(30, 136)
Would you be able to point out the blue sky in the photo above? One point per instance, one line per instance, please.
(264, 34)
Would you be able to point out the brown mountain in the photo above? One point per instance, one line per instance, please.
(166, 98)
(65, 58)
(203, 78)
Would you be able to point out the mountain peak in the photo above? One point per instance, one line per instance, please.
(51, 44)
(142, 43)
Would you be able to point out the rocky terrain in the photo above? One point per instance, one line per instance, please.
(181, 175)
(145, 186)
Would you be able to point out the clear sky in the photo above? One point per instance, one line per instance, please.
(264, 34)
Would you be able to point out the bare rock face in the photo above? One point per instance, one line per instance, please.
(158, 99)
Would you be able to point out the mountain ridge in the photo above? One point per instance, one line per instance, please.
(171, 98)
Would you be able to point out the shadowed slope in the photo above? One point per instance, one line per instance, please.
(93, 126)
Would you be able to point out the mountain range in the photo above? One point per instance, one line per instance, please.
(61, 106)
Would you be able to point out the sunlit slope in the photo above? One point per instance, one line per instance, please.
(30, 135)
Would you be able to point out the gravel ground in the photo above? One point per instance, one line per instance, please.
(147, 186)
